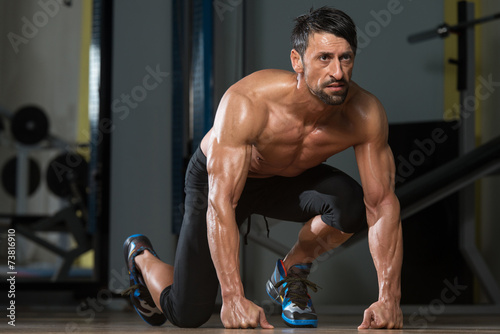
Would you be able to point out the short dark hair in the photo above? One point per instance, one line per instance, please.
(324, 19)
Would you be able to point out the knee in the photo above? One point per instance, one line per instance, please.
(182, 314)
(346, 213)
(192, 318)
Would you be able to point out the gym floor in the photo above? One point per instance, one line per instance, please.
(49, 320)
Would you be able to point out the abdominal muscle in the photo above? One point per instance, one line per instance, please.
(288, 161)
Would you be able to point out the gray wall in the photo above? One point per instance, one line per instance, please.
(141, 140)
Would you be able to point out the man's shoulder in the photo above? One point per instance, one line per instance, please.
(269, 74)
(367, 112)
(263, 82)
(363, 99)
(364, 104)
(248, 100)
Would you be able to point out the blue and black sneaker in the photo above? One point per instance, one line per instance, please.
(289, 289)
(139, 294)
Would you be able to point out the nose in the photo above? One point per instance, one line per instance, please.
(336, 71)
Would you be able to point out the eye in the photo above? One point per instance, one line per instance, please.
(346, 57)
(324, 57)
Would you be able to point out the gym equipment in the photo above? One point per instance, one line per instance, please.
(67, 178)
(67, 170)
(9, 176)
(443, 30)
(30, 125)
(192, 116)
(473, 163)
(69, 219)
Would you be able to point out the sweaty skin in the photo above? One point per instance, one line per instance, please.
(275, 122)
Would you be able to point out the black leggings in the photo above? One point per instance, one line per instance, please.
(322, 190)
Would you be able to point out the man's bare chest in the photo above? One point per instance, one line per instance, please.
(289, 152)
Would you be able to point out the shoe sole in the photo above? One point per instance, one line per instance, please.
(299, 323)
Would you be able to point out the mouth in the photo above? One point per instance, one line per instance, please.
(335, 87)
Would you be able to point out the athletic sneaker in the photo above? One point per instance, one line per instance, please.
(289, 289)
(138, 292)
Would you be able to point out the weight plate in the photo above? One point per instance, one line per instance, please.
(30, 125)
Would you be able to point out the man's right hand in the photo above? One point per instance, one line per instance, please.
(239, 312)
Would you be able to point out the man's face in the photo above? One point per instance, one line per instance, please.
(328, 62)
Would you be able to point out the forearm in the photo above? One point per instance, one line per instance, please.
(386, 246)
(223, 241)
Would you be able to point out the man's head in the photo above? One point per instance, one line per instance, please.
(324, 45)
(323, 20)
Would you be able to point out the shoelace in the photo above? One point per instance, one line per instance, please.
(128, 291)
(297, 289)
(143, 291)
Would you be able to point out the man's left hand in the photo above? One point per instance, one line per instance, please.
(382, 315)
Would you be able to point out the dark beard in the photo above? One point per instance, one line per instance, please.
(331, 100)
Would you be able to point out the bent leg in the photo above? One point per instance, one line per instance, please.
(315, 238)
(331, 204)
(185, 292)
(156, 274)
(328, 200)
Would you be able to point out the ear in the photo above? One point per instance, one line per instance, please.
(296, 60)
